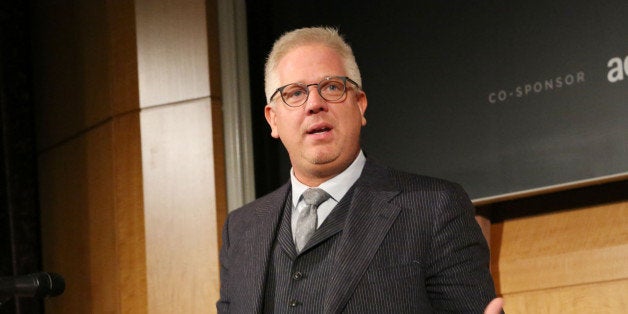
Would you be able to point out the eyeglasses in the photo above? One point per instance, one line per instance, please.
(331, 88)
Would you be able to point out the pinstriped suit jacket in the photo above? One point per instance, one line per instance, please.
(410, 244)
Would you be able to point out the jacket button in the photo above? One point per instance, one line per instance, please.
(293, 303)
(297, 275)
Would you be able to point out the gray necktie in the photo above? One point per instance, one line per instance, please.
(307, 221)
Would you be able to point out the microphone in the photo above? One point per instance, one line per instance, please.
(36, 285)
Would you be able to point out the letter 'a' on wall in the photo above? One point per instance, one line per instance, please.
(617, 68)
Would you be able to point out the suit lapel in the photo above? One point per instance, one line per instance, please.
(261, 238)
(284, 236)
(368, 220)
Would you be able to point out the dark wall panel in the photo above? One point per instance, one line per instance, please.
(500, 97)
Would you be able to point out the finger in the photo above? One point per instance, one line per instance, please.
(495, 307)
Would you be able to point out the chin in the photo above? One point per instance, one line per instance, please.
(320, 158)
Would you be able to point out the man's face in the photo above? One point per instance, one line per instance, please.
(322, 138)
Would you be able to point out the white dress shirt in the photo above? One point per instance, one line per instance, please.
(336, 187)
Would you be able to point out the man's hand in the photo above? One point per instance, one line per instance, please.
(495, 307)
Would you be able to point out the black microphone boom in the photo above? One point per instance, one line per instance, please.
(36, 285)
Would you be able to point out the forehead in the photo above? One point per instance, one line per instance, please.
(308, 63)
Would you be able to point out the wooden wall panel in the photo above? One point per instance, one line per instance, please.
(537, 258)
(77, 235)
(130, 209)
(600, 298)
(172, 51)
(180, 208)
(84, 65)
(218, 136)
(85, 69)
(92, 219)
(178, 155)
(129, 225)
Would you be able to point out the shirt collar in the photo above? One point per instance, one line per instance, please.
(337, 186)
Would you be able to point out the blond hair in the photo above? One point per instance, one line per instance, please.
(327, 36)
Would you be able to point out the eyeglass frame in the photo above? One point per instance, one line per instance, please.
(318, 89)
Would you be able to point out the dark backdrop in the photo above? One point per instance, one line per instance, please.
(19, 213)
(500, 97)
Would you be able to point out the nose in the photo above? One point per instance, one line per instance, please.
(315, 103)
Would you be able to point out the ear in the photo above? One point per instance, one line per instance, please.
(362, 104)
(271, 118)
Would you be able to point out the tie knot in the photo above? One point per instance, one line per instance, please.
(315, 196)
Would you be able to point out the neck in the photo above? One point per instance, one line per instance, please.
(315, 175)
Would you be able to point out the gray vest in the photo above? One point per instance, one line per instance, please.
(296, 283)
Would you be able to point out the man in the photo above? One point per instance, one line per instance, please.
(375, 240)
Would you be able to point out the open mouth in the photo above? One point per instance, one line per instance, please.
(319, 130)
